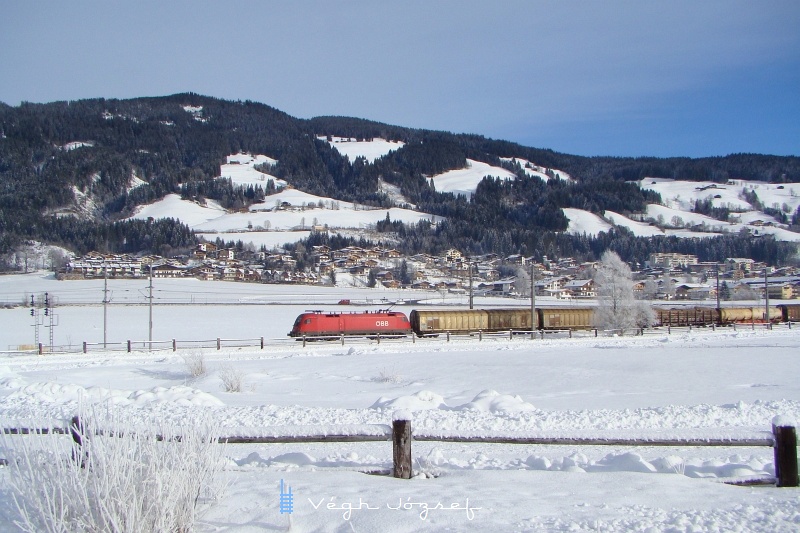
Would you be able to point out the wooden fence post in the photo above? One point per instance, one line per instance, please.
(174, 345)
(41, 348)
(219, 343)
(84, 347)
(129, 346)
(401, 439)
(785, 435)
(262, 343)
(78, 432)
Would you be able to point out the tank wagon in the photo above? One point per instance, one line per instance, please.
(320, 324)
(731, 315)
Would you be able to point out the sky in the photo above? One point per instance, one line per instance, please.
(621, 78)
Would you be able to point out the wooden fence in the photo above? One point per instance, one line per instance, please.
(783, 440)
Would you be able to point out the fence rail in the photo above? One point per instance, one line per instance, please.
(783, 440)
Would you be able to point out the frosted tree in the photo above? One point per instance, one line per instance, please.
(618, 307)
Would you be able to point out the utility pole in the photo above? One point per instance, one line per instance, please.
(533, 297)
(35, 315)
(150, 329)
(766, 299)
(48, 312)
(105, 303)
(469, 263)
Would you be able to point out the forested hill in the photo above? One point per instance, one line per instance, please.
(71, 172)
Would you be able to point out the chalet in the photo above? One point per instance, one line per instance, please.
(204, 272)
(740, 263)
(424, 259)
(502, 287)
(692, 291)
(390, 254)
(358, 270)
(452, 255)
(168, 270)
(580, 288)
(227, 254)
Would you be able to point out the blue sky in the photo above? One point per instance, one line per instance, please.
(623, 78)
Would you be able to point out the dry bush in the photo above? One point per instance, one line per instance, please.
(232, 379)
(124, 480)
(196, 363)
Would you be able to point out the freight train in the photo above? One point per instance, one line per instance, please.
(424, 322)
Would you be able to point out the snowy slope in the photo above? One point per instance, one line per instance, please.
(683, 194)
(640, 229)
(465, 180)
(188, 212)
(240, 168)
(581, 222)
(370, 150)
(534, 170)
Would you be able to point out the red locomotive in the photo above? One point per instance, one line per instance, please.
(320, 324)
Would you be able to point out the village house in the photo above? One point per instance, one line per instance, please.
(168, 270)
(580, 288)
(672, 260)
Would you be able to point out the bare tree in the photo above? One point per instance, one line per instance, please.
(618, 307)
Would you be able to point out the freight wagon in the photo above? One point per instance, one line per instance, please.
(730, 315)
(434, 322)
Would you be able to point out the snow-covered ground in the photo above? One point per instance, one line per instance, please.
(534, 170)
(369, 150)
(699, 384)
(464, 181)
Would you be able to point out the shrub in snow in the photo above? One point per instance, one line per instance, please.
(388, 376)
(196, 364)
(232, 379)
(119, 479)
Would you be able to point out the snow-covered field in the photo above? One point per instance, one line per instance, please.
(699, 384)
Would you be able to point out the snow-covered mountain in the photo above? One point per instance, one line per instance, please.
(287, 216)
(677, 219)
